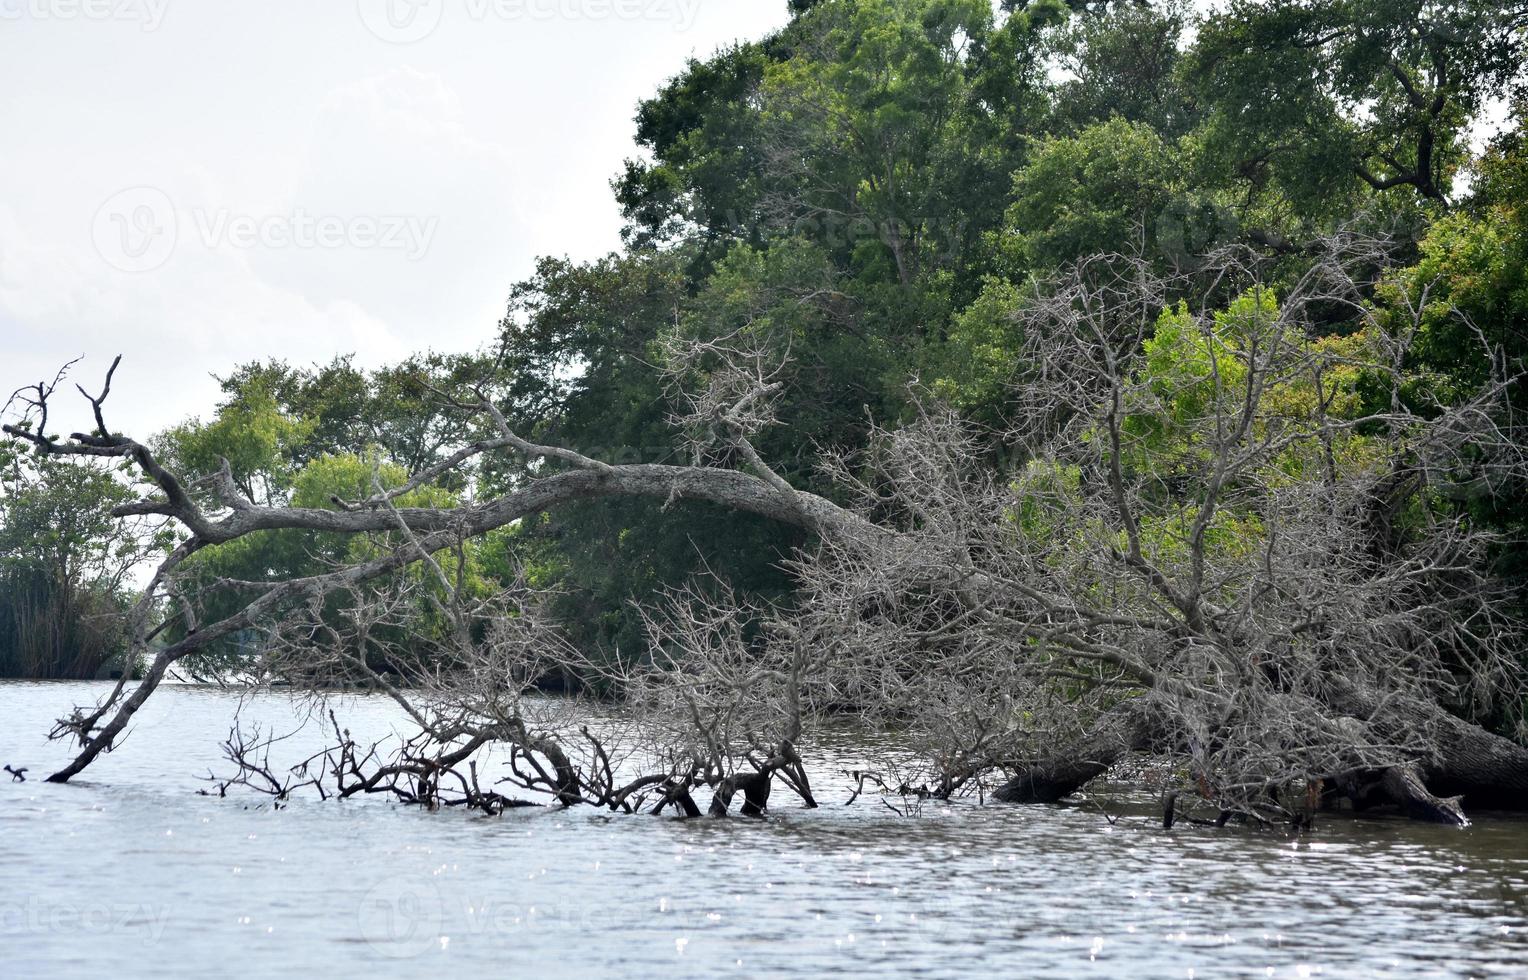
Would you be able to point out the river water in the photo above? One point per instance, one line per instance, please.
(129, 873)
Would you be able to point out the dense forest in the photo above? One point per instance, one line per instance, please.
(1037, 289)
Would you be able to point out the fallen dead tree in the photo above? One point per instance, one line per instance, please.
(1218, 553)
(1217, 549)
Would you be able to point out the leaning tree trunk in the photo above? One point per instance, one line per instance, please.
(443, 527)
(1486, 770)
(1473, 768)
(1483, 769)
(1120, 730)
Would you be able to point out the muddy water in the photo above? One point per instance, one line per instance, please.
(130, 873)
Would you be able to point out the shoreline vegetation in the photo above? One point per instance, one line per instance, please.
(1052, 386)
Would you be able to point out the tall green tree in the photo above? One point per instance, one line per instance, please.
(1324, 98)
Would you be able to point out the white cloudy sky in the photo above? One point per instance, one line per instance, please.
(195, 183)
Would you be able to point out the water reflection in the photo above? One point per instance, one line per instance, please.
(133, 868)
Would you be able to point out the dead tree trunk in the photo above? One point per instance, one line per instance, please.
(1486, 770)
(1121, 729)
(1474, 768)
(1483, 769)
(1406, 788)
(436, 529)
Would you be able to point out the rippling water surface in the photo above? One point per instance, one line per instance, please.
(129, 872)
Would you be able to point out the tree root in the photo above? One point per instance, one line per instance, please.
(755, 788)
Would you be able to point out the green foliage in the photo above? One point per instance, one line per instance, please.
(882, 130)
(1125, 63)
(578, 347)
(788, 299)
(250, 432)
(1471, 294)
(704, 135)
(276, 418)
(1469, 280)
(1192, 373)
(1195, 376)
(1044, 490)
(979, 360)
(1099, 191)
(1284, 80)
(303, 437)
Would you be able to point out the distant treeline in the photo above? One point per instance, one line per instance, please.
(64, 564)
(51, 630)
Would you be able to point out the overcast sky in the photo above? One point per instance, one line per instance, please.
(196, 184)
